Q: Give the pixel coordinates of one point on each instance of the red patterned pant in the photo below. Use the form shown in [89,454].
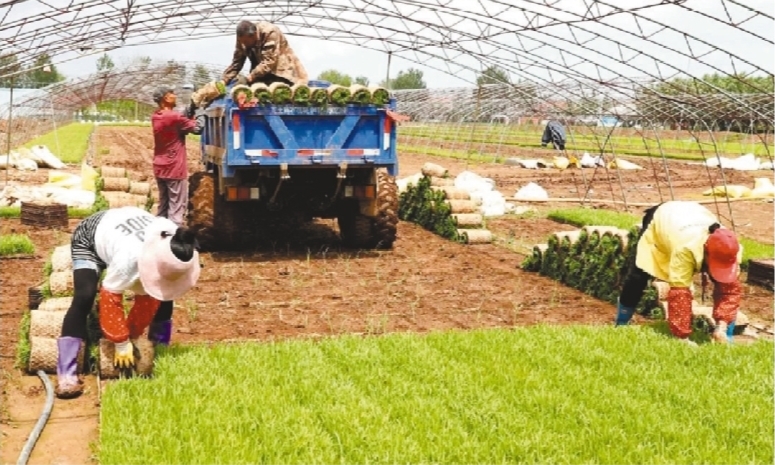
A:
[114,326]
[726,301]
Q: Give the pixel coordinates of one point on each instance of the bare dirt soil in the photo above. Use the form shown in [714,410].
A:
[308,285]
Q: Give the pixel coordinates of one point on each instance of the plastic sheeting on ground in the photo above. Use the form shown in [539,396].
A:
[24,159]
[531,191]
[483,189]
[747,162]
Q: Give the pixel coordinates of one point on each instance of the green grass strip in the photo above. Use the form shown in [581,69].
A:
[72,212]
[23,346]
[73,141]
[571,395]
[581,217]
[16,244]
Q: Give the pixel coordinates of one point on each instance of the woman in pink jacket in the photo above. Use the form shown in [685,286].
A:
[679,239]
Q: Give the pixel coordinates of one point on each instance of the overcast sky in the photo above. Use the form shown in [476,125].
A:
[508,48]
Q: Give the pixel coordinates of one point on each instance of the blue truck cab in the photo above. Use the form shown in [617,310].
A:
[296,161]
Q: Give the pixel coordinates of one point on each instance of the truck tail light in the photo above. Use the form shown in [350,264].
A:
[364,192]
[242,193]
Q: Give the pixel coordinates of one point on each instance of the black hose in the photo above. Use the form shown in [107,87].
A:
[27,450]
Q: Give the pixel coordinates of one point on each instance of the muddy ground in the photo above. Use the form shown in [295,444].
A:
[308,285]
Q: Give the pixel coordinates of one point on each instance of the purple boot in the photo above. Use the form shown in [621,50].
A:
[68,383]
[160,332]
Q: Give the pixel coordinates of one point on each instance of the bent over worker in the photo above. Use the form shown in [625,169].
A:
[679,239]
[139,252]
[271,57]
[554,132]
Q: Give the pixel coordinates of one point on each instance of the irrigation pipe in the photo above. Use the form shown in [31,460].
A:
[633,204]
[27,450]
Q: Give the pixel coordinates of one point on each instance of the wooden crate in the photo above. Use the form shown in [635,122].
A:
[760,273]
[44,215]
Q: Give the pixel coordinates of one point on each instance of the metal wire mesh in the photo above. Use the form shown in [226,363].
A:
[583,62]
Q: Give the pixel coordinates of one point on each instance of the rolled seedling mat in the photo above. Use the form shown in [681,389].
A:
[61,259]
[124,199]
[241,94]
[462,206]
[620,236]
[261,93]
[143,363]
[44,352]
[301,94]
[533,261]
[140,188]
[434,170]
[568,236]
[318,96]
[338,95]
[379,95]
[46,324]
[115,184]
[55,304]
[360,95]
[467,220]
[475,236]
[112,172]
[453,193]
[61,282]
[281,93]
[441,182]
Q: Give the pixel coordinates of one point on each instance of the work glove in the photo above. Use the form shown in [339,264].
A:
[124,356]
[190,110]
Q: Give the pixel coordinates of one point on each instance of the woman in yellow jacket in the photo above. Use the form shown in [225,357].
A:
[679,239]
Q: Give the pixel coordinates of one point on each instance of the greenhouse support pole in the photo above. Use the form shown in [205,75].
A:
[8,135]
[387,77]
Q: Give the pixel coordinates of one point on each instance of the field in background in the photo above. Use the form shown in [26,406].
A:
[69,143]
[487,142]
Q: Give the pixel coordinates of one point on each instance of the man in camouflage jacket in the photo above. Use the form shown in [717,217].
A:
[271,57]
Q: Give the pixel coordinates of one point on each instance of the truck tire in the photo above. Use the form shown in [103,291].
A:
[386,221]
[374,233]
[212,216]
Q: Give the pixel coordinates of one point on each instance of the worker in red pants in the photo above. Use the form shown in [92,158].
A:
[139,252]
[679,239]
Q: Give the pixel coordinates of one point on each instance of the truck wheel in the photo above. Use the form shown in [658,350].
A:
[356,230]
[210,214]
[386,221]
[374,233]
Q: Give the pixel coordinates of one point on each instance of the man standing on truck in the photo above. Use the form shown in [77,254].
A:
[271,60]
[170,168]
[271,57]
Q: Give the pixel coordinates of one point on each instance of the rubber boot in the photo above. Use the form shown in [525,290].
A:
[721,334]
[160,332]
[68,383]
[731,331]
[623,314]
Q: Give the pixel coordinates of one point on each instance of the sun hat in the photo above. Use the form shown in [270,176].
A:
[162,274]
[721,251]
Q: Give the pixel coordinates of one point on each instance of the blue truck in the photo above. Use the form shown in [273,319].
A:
[279,163]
